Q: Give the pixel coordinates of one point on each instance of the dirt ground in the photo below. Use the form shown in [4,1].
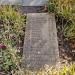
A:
[66,52]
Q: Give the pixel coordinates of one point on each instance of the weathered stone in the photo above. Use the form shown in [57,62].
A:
[24,2]
[32,9]
[40,45]
[34,2]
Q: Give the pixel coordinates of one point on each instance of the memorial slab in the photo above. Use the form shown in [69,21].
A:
[34,2]
[40,45]
[24,2]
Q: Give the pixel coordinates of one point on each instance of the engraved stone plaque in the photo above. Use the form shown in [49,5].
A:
[40,45]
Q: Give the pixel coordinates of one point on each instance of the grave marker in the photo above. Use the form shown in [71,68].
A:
[34,2]
[40,45]
[24,2]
